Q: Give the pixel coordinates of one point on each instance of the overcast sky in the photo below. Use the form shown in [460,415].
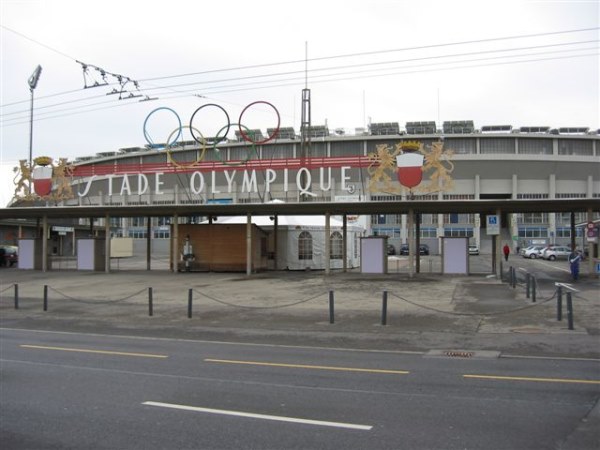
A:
[522,63]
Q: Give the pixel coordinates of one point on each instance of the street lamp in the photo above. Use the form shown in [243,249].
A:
[33,81]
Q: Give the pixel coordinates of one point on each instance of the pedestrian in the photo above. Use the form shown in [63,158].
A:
[506,251]
[574,259]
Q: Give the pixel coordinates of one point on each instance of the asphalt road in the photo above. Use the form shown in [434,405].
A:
[78,390]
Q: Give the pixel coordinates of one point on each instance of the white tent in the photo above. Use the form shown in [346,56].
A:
[301,240]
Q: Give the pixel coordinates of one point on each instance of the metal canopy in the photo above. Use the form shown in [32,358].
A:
[308,208]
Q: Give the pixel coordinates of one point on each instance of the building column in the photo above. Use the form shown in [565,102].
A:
[175,243]
[345,242]
[45,244]
[148,242]
[106,244]
[249,244]
[275,241]
[327,243]
[411,243]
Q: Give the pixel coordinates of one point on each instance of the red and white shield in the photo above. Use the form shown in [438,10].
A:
[42,180]
[410,169]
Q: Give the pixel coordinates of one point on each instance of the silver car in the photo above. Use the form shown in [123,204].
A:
[533,251]
[559,252]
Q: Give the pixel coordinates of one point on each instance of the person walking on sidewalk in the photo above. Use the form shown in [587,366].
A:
[574,259]
[506,251]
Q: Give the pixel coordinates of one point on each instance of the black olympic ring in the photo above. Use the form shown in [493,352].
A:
[218,139]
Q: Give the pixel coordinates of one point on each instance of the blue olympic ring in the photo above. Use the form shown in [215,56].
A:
[149,139]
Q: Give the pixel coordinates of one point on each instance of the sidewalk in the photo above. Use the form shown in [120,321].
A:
[424,312]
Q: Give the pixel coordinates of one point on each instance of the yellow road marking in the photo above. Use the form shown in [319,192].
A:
[103,352]
[544,380]
[304,366]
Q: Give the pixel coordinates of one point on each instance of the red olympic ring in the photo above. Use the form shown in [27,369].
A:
[248,138]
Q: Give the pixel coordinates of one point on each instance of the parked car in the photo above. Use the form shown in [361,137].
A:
[533,251]
[11,255]
[391,250]
[556,252]
[473,249]
[423,249]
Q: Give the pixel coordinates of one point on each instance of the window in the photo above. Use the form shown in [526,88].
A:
[565,218]
[535,146]
[575,147]
[428,233]
[458,232]
[305,246]
[461,146]
[137,234]
[531,196]
[337,245]
[496,146]
[162,234]
[346,148]
[137,222]
[459,218]
[532,218]
[533,232]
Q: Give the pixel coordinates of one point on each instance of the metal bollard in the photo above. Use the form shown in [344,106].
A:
[331,307]
[528,288]
[190,304]
[384,308]
[150,306]
[45,297]
[16,296]
[533,289]
[570,311]
[559,304]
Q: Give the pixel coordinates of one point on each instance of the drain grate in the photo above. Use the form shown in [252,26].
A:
[462,354]
[455,354]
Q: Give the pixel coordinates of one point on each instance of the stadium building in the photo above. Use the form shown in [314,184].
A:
[541,180]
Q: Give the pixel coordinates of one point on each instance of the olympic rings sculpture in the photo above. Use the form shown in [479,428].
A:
[245,133]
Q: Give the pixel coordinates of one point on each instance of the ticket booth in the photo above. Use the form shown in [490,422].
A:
[373,254]
[91,254]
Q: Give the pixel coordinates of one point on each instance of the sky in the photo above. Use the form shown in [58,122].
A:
[519,63]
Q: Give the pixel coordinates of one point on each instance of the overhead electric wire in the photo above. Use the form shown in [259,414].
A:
[267,79]
[271,75]
[377,63]
[299,80]
[375,52]
[369,53]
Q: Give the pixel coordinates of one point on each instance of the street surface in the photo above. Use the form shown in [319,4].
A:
[84,390]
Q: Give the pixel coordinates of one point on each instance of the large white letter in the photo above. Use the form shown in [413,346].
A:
[321,171]
[345,177]
[229,180]
[249,182]
[109,179]
[271,175]
[87,187]
[285,180]
[142,183]
[193,183]
[304,190]
[125,185]
[158,182]
[213,182]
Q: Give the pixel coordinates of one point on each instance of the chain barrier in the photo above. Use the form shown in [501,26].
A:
[7,288]
[97,302]
[233,305]
[496,313]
